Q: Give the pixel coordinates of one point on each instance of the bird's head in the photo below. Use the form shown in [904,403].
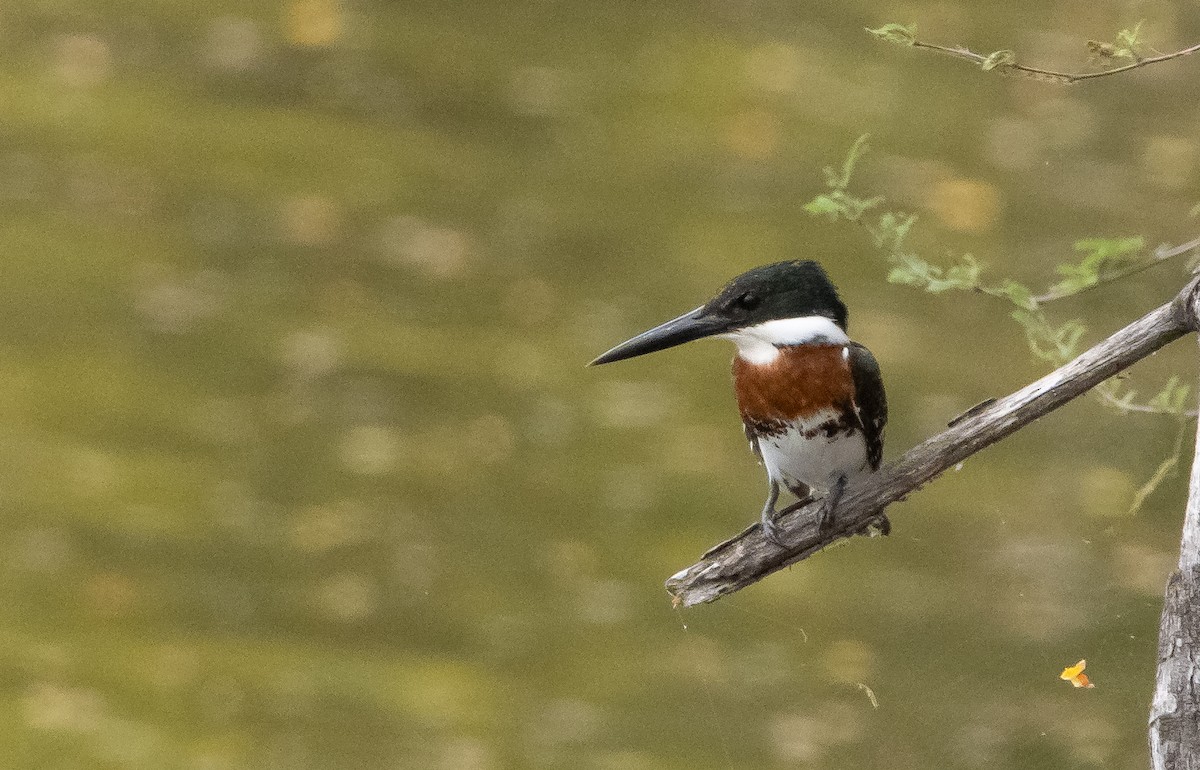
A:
[785,303]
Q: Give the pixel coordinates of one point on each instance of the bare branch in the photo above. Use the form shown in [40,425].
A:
[748,557]
[1050,75]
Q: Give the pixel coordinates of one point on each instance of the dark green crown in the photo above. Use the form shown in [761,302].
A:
[780,290]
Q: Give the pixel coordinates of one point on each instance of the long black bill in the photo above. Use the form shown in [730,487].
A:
[685,328]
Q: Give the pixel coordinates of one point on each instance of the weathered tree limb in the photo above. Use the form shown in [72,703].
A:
[1175,709]
[748,557]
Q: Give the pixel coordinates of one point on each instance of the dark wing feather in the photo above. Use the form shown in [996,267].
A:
[752,437]
[870,402]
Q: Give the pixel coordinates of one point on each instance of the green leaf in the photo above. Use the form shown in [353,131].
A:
[1049,343]
[910,270]
[892,230]
[1036,329]
[1103,257]
[840,205]
[1109,246]
[1165,470]
[1001,58]
[839,179]
[1067,338]
[903,275]
[1128,42]
[823,205]
[856,207]
[1171,398]
[1101,250]
[1125,47]
[1125,403]
[1019,294]
[1129,37]
[1069,287]
[964,275]
[895,33]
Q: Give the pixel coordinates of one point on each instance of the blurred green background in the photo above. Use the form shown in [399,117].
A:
[301,466]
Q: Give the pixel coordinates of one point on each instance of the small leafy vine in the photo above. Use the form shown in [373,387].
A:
[1103,260]
[1124,53]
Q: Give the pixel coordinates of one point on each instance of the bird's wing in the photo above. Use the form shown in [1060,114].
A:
[752,437]
[870,402]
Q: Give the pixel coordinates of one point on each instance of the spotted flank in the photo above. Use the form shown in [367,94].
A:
[810,454]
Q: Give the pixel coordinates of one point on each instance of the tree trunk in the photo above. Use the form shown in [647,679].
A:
[1175,710]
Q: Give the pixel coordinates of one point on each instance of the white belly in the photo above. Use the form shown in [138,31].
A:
[806,455]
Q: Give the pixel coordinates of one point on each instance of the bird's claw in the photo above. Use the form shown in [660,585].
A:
[825,520]
[832,498]
[772,532]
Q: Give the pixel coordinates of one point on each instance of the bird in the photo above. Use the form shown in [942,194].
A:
[812,400]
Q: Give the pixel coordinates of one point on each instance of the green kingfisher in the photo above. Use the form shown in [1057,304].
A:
[811,400]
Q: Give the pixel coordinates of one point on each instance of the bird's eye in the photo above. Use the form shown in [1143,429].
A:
[747,301]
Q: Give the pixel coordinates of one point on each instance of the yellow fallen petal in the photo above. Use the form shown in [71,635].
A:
[1082,681]
[1070,672]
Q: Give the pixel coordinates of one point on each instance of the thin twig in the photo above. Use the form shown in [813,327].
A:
[1125,406]
[749,557]
[1164,252]
[1059,77]
[1160,255]
[1166,469]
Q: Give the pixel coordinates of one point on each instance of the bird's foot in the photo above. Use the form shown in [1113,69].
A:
[771,530]
[832,498]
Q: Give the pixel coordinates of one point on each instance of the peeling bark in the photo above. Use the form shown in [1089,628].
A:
[1175,709]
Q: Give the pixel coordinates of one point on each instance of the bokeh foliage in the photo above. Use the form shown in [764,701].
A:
[302,466]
